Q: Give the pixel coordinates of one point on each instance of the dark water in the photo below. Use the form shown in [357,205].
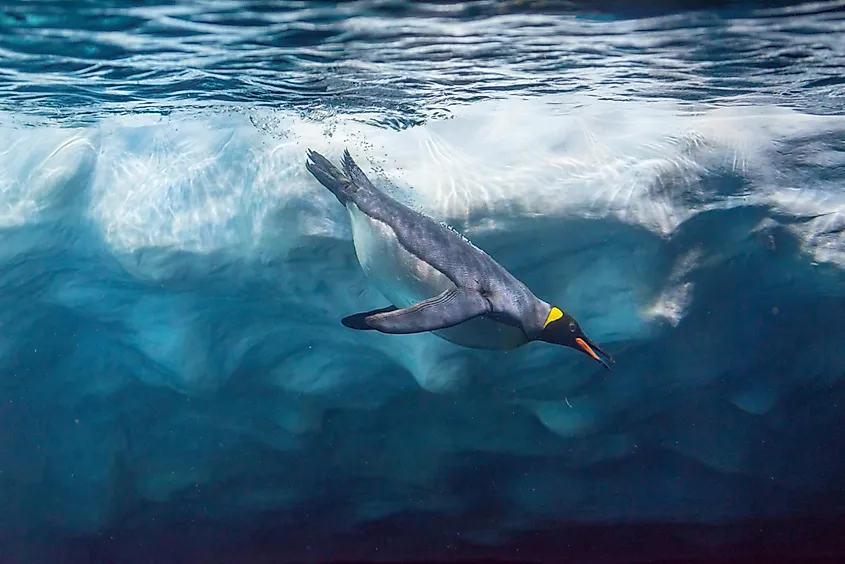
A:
[175,383]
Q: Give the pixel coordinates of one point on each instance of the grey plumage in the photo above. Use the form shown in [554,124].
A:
[434,276]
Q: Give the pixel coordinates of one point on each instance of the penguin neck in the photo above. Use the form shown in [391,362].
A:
[543,311]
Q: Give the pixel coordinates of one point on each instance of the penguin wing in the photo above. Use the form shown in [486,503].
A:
[448,309]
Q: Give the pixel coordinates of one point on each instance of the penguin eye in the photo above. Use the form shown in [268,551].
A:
[572,326]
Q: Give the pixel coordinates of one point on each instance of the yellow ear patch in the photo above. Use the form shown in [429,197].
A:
[554,315]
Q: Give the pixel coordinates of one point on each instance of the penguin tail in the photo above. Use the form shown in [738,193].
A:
[330,176]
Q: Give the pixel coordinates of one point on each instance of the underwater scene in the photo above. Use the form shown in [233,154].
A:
[393,281]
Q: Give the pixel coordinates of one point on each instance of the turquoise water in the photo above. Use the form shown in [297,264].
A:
[175,383]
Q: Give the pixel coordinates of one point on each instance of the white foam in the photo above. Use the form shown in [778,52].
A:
[206,185]
[41,169]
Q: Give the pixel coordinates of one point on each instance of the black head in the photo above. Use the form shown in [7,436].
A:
[561,329]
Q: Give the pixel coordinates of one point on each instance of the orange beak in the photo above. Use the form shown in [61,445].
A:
[589,350]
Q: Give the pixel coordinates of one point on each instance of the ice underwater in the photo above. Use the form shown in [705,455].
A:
[175,376]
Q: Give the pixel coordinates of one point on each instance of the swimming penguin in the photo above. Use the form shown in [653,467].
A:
[436,279]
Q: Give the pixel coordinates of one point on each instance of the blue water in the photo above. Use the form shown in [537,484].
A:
[175,383]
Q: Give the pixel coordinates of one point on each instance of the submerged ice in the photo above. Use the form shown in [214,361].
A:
[172,354]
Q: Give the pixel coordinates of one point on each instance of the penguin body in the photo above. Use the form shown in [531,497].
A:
[436,279]
[404,276]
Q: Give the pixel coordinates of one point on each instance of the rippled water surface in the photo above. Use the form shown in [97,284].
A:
[399,62]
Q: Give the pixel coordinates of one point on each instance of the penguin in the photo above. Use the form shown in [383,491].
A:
[436,279]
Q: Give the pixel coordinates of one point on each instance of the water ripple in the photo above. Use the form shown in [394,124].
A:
[401,62]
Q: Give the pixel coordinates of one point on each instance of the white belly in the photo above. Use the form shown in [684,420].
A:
[405,280]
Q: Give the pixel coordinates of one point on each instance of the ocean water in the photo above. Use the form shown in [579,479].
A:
[175,383]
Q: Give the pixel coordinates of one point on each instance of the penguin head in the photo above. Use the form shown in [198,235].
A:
[561,329]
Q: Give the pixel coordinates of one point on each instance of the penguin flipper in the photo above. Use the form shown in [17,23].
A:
[358,320]
[448,309]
